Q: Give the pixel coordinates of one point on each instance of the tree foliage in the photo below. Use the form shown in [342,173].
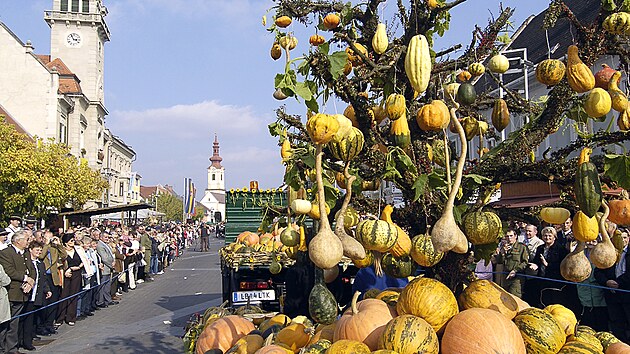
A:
[37,176]
[171,206]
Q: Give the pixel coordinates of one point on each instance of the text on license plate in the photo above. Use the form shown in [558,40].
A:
[243,296]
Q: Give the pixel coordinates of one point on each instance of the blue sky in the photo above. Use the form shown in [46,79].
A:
[179,71]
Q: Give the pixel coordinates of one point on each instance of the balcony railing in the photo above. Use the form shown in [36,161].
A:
[50,15]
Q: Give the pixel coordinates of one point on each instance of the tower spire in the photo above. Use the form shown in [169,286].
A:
[216,159]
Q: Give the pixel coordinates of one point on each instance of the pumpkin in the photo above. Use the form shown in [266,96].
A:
[575,347]
[482,227]
[588,189]
[618,97]
[247,345]
[579,76]
[618,348]
[429,299]
[603,76]
[604,254]
[318,347]
[288,42]
[364,262]
[434,116]
[347,346]
[331,21]
[349,147]
[389,296]
[276,52]
[301,206]
[321,128]
[280,95]
[606,339]
[385,351]
[398,267]
[290,237]
[499,64]
[598,103]
[422,251]
[379,41]
[400,133]
[323,332]
[314,213]
[350,217]
[395,106]
[223,333]
[408,334]
[565,317]
[316,40]
[486,294]
[480,330]
[585,334]
[418,63]
[584,229]
[623,121]
[294,336]
[617,23]
[279,319]
[540,331]
[522,305]
[273,349]
[464,76]
[376,235]
[250,239]
[283,21]
[476,69]
[403,244]
[345,128]
[550,71]
[554,216]
[466,94]
[500,114]
[619,211]
[364,321]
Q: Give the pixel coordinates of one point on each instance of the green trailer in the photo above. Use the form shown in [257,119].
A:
[245,208]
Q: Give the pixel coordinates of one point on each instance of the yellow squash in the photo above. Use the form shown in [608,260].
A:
[322,128]
[418,63]
[618,97]
[598,103]
[434,116]
[580,77]
[379,41]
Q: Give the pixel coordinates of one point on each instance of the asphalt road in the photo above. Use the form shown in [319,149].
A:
[151,318]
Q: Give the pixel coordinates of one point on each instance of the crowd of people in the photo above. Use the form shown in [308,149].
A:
[50,278]
[527,264]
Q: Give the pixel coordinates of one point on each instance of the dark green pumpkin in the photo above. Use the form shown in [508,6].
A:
[466,94]
[322,305]
[318,347]
[398,267]
[588,189]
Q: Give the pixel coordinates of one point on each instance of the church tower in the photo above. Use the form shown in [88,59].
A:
[214,196]
[78,36]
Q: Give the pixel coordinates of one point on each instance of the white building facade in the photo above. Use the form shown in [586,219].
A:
[214,195]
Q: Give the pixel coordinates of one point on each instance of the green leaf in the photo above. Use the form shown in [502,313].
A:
[419,186]
[275,129]
[625,7]
[346,13]
[302,90]
[309,160]
[312,105]
[617,167]
[303,68]
[477,179]
[437,180]
[338,61]
[324,48]
[459,211]
[485,252]
[391,173]
[292,177]
[609,5]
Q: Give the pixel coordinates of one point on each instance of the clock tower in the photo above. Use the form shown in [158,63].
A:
[78,35]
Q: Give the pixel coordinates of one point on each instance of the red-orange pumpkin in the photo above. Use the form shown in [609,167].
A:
[223,333]
[478,330]
[619,211]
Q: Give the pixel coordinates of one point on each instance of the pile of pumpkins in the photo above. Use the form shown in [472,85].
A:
[423,317]
[287,239]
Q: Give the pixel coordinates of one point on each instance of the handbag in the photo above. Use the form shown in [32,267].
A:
[123,277]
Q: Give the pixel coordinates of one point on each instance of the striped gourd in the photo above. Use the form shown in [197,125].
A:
[318,347]
[429,299]
[349,147]
[395,106]
[482,227]
[418,63]
[400,133]
[500,114]
[398,267]
[347,346]
[422,251]
[377,235]
[409,334]
[576,347]
[476,69]
[550,71]
[588,188]
[617,23]
[606,338]
[585,334]
[403,244]
[541,332]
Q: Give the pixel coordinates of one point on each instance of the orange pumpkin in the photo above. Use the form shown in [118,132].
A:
[293,336]
[619,211]
[323,332]
[428,299]
[488,295]
[242,236]
[479,330]
[364,321]
[223,333]
[272,349]
[251,239]
[618,348]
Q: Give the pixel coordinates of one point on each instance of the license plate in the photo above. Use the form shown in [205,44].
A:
[258,295]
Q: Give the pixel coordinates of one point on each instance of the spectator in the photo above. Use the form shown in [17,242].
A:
[155,254]
[565,236]
[145,246]
[531,240]
[19,268]
[14,226]
[72,282]
[204,237]
[514,256]
[89,273]
[5,306]
[53,256]
[546,264]
[103,295]
[40,291]
[594,313]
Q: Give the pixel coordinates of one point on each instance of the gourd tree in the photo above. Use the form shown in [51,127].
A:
[403,97]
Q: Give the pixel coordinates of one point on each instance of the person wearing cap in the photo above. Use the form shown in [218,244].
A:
[3,239]
[18,266]
[30,223]
[14,226]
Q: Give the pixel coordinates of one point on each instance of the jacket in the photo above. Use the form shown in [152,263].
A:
[555,255]
[42,285]
[17,266]
[5,306]
[515,259]
[603,275]
[107,257]
[57,255]
[145,243]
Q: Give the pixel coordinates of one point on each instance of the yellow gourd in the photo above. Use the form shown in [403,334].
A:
[499,64]
[395,106]
[584,229]
[321,128]
[418,63]
[623,122]
[618,97]
[379,41]
[598,103]
[579,76]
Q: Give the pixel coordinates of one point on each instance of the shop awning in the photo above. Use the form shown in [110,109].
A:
[107,210]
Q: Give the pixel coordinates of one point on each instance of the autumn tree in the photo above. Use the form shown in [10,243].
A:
[348,62]
[38,176]
[170,205]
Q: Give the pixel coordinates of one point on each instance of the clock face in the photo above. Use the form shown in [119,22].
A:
[73,39]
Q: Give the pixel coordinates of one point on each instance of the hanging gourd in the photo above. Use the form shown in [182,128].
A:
[482,227]
[283,21]
[464,76]
[466,94]
[331,21]
[550,71]
[500,114]
[623,121]
[433,116]
[554,216]
[499,64]
[349,147]
[395,106]
[376,235]
[418,63]
[450,91]
[316,40]
[604,254]
[588,189]
[288,42]
[618,97]
[603,76]
[575,266]
[476,69]
[321,128]
[617,23]
[598,103]
[471,127]
[354,58]
[322,305]
[584,228]
[403,243]
[579,76]
[379,41]
[422,251]
[276,51]
[399,132]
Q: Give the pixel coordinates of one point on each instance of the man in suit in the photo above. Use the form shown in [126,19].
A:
[20,269]
[41,291]
[618,303]
[103,295]
[52,256]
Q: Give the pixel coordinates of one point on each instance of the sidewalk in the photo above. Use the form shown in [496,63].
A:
[150,319]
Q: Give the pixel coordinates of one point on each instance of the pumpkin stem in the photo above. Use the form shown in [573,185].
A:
[378,269]
[602,223]
[386,214]
[346,200]
[460,162]
[447,161]
[353,304]
[323,218]
[585,155]
[624,194]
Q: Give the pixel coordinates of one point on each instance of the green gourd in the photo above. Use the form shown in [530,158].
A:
[398,267]
[322,305]
[588,188]
[466,94]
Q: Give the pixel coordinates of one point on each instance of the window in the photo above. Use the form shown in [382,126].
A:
[64,5]
[75,5]
[121,189]
[213,177]
[86,6]
[63,133]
